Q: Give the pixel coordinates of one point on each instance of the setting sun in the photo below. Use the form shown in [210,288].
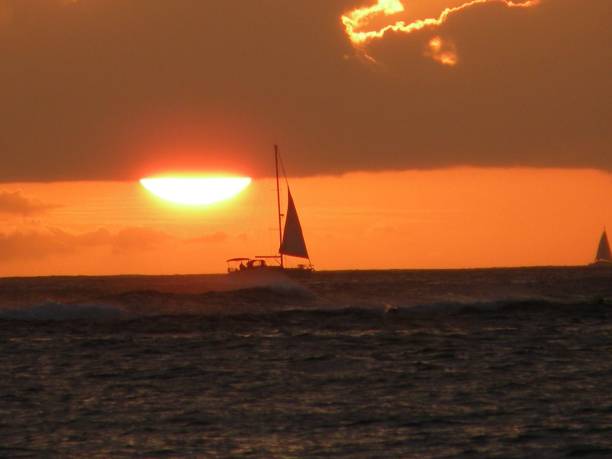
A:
[195,191]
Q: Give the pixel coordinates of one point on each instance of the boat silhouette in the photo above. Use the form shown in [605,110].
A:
[603,258]
[291,238]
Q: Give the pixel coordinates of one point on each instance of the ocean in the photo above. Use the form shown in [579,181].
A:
[507,363]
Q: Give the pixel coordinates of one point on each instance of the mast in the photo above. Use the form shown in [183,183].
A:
[280,229]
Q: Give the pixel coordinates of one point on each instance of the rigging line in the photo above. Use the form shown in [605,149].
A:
[282,165]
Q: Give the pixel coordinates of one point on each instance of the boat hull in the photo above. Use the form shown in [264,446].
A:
[270,271]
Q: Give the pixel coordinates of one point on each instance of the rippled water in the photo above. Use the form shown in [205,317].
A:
[498,363]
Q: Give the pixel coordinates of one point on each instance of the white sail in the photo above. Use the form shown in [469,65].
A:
[603,251]
[293,239]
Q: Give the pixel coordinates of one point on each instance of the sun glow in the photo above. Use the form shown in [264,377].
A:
[195,191]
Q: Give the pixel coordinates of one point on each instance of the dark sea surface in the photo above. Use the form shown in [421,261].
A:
[508,363]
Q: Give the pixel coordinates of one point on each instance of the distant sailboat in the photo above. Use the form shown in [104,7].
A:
[603,256]
[291,239]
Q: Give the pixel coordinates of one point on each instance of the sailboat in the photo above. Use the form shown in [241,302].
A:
[603,256]
[291,239]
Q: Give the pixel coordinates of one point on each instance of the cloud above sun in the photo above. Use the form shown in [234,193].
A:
[356,23]
[121,89]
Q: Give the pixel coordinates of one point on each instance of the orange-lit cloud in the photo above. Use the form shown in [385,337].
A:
[43,243]
[219,236]
[443,52]
[138,239]
[16,203]
[29,243]
[361,17]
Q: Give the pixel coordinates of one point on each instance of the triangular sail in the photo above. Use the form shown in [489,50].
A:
[293,239]
[603,252]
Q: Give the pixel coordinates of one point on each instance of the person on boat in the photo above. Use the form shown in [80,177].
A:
[242,267]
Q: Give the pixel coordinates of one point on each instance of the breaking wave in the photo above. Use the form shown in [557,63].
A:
[267,302]
[386,293]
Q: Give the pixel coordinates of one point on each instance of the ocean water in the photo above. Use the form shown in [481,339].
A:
[508,363]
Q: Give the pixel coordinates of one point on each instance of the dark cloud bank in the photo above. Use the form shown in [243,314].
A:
[114,89]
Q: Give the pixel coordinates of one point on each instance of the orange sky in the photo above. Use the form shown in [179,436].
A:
[464,217]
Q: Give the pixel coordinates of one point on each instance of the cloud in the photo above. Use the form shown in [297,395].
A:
[219,236]
[33,245]
[119,89]
[55,241]
[355,20]
[16,203]
[442,51]
[138,239]
[37,244]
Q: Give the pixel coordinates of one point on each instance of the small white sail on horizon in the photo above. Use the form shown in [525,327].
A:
[603,251]
[293,242]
